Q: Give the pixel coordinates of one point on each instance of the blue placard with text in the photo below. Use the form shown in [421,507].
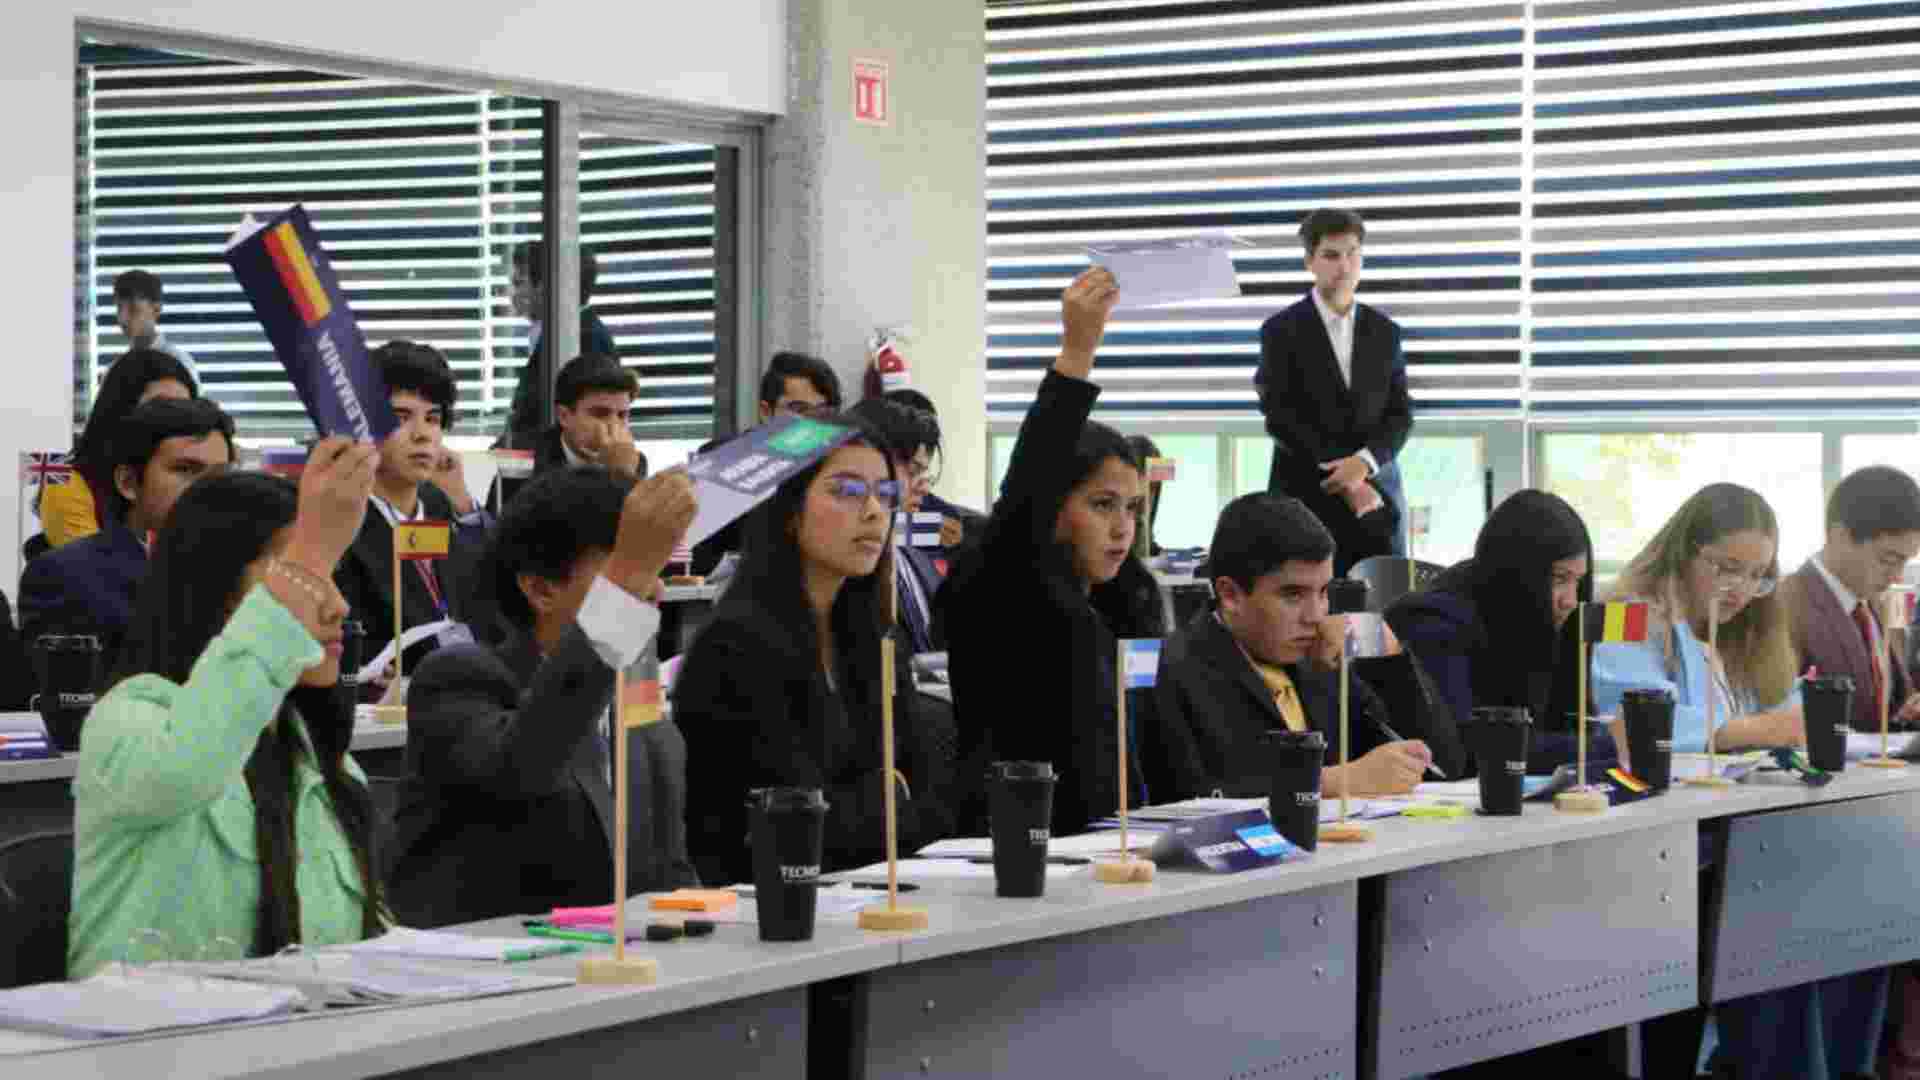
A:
[1225,843]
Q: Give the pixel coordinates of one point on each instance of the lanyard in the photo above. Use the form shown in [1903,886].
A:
[424,567]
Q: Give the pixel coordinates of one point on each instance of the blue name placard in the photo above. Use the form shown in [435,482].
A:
[1225,843]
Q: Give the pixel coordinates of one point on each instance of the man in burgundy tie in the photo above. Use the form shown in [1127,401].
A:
[1873,531]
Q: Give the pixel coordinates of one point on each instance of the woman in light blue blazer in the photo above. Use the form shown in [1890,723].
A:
[1723,540]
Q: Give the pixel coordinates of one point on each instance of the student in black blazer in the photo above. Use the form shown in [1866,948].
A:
[415,481]
[591,402]
[508,805]
[1224,675]
[917,570]
[1333,386]
[525,417]
[89,586]
[782,687]
[1033,613]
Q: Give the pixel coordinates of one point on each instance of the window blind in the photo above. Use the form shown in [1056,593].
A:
[646,212]
[1114,121]
[421,196]
[1726,207]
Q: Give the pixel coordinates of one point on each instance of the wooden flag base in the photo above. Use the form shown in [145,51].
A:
[619,971]
[389,714]
[1884,763]
[1345,832]
[893,919]
[1708,781]
[1125,870]
[1582,801]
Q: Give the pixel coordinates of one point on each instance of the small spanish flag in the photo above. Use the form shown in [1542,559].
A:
[1610,623]
[641,705]
[296,273]
[422,539]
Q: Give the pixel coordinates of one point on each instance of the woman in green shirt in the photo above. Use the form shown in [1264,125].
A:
[215,798]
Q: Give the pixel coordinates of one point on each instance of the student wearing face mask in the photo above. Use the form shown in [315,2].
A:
[1267,658]
[1493,630]
[782,686]
[1034,612]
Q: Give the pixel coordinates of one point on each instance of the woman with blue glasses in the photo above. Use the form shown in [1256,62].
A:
[782,686]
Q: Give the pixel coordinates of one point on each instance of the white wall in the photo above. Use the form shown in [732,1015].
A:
[883,226]
[722,53]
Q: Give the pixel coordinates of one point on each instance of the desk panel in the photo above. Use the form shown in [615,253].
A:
[1491,956]
[1259,988]
[758,1038]
[1815,892]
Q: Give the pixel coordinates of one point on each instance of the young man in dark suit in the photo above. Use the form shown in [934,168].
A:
[1835,600]
[1267,658]
[1333,387]
[591,400]
[918,571]
[529,298]
[89,586]
[508,805]
[416,480]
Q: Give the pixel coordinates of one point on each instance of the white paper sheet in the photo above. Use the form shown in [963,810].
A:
[1156,272]
[1862,745]
[410,637]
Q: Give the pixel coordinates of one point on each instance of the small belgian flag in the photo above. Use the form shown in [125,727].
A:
[1611,623]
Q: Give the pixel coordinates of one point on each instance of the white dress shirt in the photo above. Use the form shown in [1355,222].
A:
[1340,333]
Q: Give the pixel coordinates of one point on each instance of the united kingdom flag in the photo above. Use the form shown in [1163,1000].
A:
[45,468]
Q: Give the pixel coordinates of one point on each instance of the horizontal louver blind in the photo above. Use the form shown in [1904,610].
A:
[1113,121]
[646,213]
[1725,208]
[391,174]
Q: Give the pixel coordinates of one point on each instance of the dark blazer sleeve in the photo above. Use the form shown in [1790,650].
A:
[1175,767]
[1434,644]
[1413,707]
[49,603]
[1389,436]
[473,730]
[1039,470]
[666,757]
[924,813]
[1280,384]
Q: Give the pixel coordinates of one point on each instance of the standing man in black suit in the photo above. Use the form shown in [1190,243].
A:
[529,296]
[1333,386]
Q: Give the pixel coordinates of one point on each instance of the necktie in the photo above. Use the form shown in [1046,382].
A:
[1285,697]
[1864,621]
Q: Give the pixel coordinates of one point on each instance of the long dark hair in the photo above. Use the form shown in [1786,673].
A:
[220,525]
[119,395]
[1518,651]
[771,580]
[547,526]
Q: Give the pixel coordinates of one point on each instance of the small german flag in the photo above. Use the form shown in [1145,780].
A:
[641,704]
[1610,623]
[422,539]
[296,273]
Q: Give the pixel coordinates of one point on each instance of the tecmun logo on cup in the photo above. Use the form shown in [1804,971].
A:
[1039,836]
[799,873]
[1516,768]
[1306,798]
[71,701]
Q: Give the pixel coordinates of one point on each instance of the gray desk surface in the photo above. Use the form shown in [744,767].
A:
[379,737]
[965,917]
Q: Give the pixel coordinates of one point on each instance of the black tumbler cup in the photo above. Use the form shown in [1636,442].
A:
[1499,738]
[1648,716]
[1020,796]
[1827,705]
[1294,759]
[68,669]
[788,829]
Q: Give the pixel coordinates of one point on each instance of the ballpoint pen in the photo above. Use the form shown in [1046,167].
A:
[1395,736]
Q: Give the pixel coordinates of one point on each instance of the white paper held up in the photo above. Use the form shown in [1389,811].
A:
[1156,272]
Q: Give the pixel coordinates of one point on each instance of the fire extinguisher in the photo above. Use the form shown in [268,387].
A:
[887,362]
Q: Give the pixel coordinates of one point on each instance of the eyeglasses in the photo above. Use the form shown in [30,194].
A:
[854,491]
[806,408]
[1732,577]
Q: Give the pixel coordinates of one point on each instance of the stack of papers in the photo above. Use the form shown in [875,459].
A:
[440,945]
[345,976]
[110,1005]
[1862,745]
[917,870]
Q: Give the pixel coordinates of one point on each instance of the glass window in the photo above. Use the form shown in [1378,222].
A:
[1626,484]
[1898,449]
